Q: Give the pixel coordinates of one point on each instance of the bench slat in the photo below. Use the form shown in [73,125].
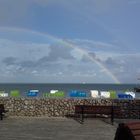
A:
[137,137]
[134,126]
[136,132]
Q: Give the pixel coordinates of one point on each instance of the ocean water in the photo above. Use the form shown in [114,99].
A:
[43,88]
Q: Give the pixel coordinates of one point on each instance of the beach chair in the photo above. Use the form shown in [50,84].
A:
[105,94]
[95,94]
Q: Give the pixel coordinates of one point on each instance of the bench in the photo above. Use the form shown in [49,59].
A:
[128,131]
[94,110]
[2,111]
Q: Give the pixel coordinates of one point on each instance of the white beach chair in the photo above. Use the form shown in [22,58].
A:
[105,94]
[3,94]
[94,93]
[130,93]
[53,91]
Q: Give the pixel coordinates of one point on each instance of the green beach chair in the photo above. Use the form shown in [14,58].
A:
[113,94]
[59,94]
[14,93]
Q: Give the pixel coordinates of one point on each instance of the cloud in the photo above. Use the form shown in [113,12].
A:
[27,61]
[90,57]
[9,60]
[121,65]
[36,61]
[97,50]
[60,52]
[125,67]
[110,61]
[28,64]
[96,46]
[34,56]
[23,50]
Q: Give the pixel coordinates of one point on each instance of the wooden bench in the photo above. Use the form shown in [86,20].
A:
[2,111]
[128,131]
[94,110]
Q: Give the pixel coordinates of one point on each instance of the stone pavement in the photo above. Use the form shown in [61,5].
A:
[43,128]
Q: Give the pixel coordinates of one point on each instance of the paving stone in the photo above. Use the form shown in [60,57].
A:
[44,128]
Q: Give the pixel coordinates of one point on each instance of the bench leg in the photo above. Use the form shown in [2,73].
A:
[112,119]
[82,115]
[1,117]
[82,118]
[112,115]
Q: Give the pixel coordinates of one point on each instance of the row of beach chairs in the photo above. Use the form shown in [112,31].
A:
[74,93]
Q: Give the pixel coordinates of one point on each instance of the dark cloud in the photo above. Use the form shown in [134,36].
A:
[9,60]
[44,60]
[113,62]
[87,59]
[56,53]
[59,52]
[37,64]
[110,61]
[92,54]
[28,64]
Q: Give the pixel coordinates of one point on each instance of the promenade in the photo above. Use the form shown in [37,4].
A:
[43,128]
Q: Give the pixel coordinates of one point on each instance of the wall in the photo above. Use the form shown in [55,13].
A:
[62,107]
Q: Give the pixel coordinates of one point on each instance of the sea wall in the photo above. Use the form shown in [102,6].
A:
[63,107]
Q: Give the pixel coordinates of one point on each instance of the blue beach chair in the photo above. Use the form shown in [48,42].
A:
[33,93]
[124,96]
[75,93]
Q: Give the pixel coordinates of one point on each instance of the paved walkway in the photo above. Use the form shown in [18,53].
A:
[55,129]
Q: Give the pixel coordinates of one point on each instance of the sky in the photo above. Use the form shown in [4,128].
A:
[69,41]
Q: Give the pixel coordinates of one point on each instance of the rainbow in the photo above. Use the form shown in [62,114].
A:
[67,44]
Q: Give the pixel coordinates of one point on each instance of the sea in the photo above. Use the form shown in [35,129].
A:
[67,88]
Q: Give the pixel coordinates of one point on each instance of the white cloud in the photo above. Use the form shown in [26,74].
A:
[23,51]
[20,60]
[24,59]
[36,60]
[96,46]
[77,54]
[125,67]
